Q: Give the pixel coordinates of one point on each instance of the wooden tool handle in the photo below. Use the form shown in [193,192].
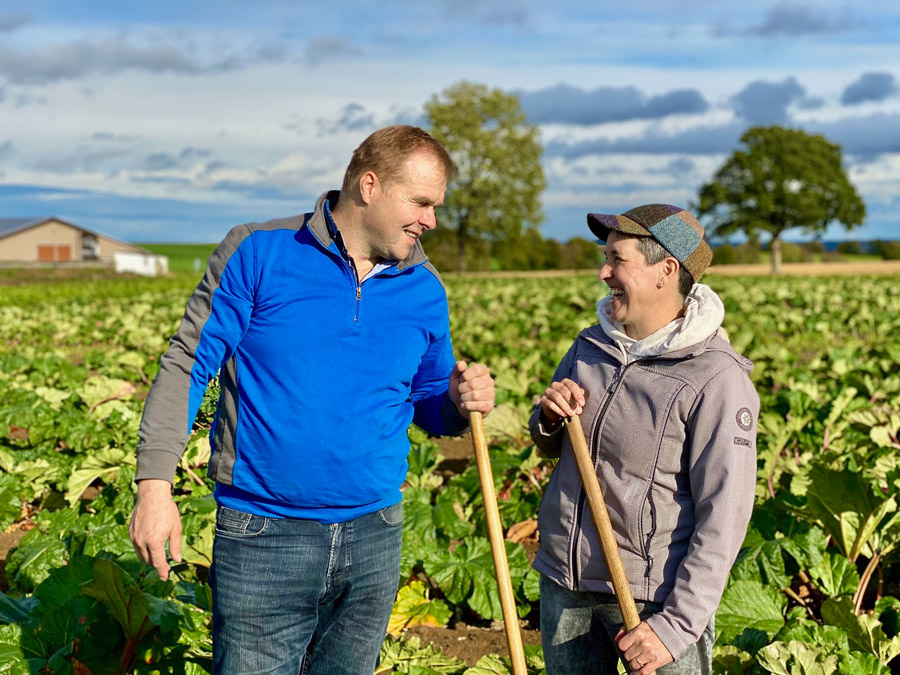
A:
[498,547]
[601,520]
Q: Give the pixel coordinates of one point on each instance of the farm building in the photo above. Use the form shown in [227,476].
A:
[54,240]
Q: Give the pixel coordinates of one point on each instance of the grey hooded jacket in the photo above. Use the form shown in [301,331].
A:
[673,439]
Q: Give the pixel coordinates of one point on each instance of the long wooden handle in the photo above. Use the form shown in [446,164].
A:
[601,520]
[498,547]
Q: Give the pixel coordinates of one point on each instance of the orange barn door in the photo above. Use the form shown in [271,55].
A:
[46,253]
[63,253]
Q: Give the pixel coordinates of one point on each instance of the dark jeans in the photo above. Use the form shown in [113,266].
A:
[295,595]
[577,631]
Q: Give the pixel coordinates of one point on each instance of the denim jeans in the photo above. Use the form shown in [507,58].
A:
[577,631]
[297,596]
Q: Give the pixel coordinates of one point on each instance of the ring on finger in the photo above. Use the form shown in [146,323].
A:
[640,663]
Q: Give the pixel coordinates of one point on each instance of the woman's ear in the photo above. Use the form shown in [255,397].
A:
[668,272]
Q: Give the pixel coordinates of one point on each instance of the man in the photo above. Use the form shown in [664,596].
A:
[670,416]
[332,334]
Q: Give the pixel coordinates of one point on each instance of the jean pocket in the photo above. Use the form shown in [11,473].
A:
[392,516]
[233,523]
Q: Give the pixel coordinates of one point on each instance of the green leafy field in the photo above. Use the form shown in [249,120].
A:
[815,590]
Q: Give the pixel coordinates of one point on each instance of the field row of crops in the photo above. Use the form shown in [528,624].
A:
[815,590]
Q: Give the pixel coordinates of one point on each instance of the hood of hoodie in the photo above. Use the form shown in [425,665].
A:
[703,315]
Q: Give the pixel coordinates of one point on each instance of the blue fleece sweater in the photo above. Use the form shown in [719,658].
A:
[320,376]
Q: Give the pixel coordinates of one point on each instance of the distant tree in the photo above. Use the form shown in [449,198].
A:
[496,191]
[527,250]
[849,247]
[441,246]
[580,253]
[783,179]
[747,253]
[794,253]
[724,254]
[889,250]
[815,246]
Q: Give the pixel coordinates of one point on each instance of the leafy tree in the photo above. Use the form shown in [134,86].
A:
[849,247]
[496,190]
[784,178]
[580,253]
[527,250]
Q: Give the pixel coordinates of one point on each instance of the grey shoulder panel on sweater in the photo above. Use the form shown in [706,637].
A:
[431,268]
[164,426]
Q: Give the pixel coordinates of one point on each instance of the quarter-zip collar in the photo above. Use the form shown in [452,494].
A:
[320,227]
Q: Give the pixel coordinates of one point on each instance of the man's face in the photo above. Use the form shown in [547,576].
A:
[632,286]
[401,210]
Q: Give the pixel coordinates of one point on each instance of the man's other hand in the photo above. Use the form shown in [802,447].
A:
[154,522]
[471,388]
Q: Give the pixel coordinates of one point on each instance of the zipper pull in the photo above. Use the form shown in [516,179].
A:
[359,292]
[615,383]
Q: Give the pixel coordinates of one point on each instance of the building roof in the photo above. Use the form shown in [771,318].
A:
[10,226]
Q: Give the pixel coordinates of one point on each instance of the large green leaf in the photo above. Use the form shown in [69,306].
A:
[413,607]
[846,504]
[835,575]
[489,665]
[796,658]
[127,603]
[729,660]
[748,604]
[808,630]
[402,655]
[93,539]
[17,610]
[424,454]
[30,563]
[777,546]
[101,464]
[10,500]
[467,574]
[452,513]
[857,663]
[198,524]
[864,632]
[73,624]
[12,658]
[418,515]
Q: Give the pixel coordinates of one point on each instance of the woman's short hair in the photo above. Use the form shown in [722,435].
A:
[654,252]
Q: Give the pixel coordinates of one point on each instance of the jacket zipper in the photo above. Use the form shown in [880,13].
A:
[582,495]
[358,284]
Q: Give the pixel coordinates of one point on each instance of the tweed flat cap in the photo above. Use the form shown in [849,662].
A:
[677,231]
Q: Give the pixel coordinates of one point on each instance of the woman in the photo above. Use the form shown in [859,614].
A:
[670,415]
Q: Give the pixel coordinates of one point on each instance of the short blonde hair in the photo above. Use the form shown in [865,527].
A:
[385,151]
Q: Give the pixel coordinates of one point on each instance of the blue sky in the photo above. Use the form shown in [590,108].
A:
[173,121]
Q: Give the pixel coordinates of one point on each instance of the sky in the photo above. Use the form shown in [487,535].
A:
[174,121]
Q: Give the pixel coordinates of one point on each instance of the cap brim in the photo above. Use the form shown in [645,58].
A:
[602,223]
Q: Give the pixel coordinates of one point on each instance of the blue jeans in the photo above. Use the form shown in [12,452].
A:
[577,631]
[292,596]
